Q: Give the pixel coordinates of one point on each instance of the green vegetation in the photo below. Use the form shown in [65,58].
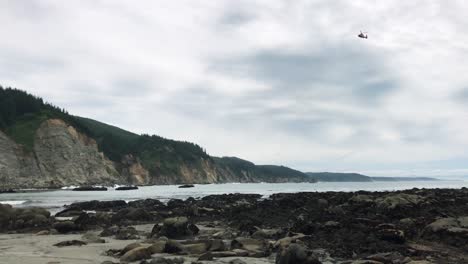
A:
[21,114]
[266,173]
[339,177]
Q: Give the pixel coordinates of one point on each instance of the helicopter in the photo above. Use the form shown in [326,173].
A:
[363,35]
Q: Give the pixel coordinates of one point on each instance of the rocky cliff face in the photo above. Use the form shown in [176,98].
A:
[62,156]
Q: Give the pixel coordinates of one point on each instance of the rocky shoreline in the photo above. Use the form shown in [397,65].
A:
[417,226]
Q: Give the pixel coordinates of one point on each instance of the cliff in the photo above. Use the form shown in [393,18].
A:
[42,146]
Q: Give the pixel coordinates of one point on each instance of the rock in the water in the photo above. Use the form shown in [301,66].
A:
[126,188]
[295,254]
[90,188]
[135,254]
[70,243]
[187,186]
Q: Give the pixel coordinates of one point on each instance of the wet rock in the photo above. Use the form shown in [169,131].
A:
[109,231]
[295,254]
[126,188]
[127,233]
[92,238]
[208,256]
[366,262]
[132,214]
[392,235]
[129,247]
[135,254]
[248,244]
[393,201]
[161,260]
[97,205]
[198,248]
[65,227]
[187,186]
[237,261]
[43,233]
[387,258]
[90,188]
[86,221]
[150,204]
[453,231]
[70,243]
[157,247]
[173,246]
[176,227]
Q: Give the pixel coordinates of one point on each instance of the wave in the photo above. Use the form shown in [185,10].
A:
[14,202]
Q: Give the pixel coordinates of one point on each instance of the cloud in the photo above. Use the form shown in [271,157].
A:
[274,82]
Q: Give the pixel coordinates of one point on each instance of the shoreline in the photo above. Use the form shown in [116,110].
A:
[429,225]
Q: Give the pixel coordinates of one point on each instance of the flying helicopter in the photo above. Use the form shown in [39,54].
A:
[363,35]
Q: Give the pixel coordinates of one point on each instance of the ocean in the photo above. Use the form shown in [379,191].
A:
[55,200]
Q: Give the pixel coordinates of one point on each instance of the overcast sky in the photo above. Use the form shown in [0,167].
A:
[274,82]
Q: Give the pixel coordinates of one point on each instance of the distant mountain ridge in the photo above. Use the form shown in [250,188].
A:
[42,146]
[356,177]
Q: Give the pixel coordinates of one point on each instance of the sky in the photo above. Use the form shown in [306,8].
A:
[273,82]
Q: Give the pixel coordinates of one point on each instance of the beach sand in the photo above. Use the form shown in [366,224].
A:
[40,249]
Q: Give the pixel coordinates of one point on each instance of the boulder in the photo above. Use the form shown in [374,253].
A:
[396,200]
[197,248]
[109,231]
[127,233]
[135,254]
[295,254]
[129,247]
[176,227]
[161,260]
[65,227]
[173,246]
[157,247]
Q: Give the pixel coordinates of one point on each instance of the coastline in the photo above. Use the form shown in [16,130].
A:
[425,225]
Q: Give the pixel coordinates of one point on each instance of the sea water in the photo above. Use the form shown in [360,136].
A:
[55,200]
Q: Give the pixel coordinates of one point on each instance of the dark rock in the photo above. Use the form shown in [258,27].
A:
[90,188]
[109,231]
[187,186]
[207,256]
[150,204]
[127,233]
[173,246]
[97,205]
[70,243]
[295,254]
[237,261]
[176,227]
[161,260]
[65,227]
[126,188]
